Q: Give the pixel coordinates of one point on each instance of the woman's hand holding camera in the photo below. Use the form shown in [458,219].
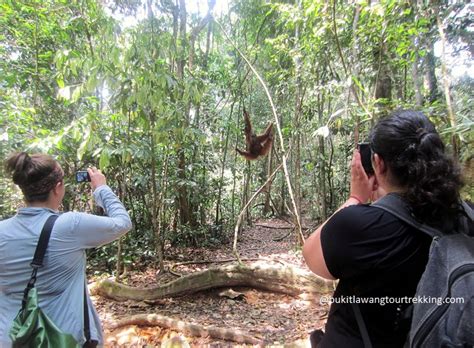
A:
[97,178]
[362,186]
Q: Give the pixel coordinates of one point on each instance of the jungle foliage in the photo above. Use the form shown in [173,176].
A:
[157,105]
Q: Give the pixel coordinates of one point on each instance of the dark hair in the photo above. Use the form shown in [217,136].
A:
[36,174]
[415,155]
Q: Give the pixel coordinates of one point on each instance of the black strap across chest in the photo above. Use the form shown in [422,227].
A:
[37,262]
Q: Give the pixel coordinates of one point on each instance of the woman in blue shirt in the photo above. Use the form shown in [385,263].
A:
[61,280]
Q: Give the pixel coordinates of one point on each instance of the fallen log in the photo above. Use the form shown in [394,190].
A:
[281,279]
[186,328]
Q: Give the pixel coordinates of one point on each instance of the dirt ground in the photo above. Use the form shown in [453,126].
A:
[275,319]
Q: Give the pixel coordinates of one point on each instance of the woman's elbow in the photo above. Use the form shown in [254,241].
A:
[306,252]
[315,261]
[309,250]
[124,224]
[128,225]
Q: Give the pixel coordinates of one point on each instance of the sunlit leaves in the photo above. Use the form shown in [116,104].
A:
[104,160]
[322,132]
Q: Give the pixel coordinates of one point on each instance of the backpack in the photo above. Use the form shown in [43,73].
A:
[443,315]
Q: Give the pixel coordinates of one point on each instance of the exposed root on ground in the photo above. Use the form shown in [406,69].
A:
[186,328]
[282,279]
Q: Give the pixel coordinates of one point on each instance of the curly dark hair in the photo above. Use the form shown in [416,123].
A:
[417,161]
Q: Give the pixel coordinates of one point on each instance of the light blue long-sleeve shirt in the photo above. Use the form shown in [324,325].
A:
[60,282]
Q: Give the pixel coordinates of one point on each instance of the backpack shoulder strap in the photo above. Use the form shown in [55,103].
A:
[395,205]
[362,328]
[468,211]
[43,242]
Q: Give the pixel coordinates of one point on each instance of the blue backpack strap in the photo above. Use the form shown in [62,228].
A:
[395,205]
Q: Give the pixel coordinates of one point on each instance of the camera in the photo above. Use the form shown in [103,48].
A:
[82,176]
[366,157]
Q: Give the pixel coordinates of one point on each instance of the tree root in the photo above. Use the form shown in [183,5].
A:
[172,271]
[260,275]
[186,328]
[283,236]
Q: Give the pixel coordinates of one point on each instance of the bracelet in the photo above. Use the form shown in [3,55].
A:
[357,199]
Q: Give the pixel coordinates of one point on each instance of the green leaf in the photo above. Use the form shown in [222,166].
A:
[357,82]
[84,145]
[76,94]
[104,160]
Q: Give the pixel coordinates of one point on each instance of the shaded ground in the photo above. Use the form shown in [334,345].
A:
[274,318]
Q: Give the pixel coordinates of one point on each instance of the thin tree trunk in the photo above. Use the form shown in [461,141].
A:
[155,200]
[322,162]
[234,177]
[383,82]
[267,205]
[161,212]
[223,164]
[246,193]
[446,84]
[298,107]
[182,36]
[430,73]
[186,217]
[416,76]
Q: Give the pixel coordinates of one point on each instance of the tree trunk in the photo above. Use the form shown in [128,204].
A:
[155,200]
[223,164]
[416,76]
[267,206]
[447,92]
[161,215]
[182,36]
[297,117]
[383,85]
[322,161]
[246,193]
[430,73]
[185,214]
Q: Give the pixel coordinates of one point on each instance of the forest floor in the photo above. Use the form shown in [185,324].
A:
[276,319]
